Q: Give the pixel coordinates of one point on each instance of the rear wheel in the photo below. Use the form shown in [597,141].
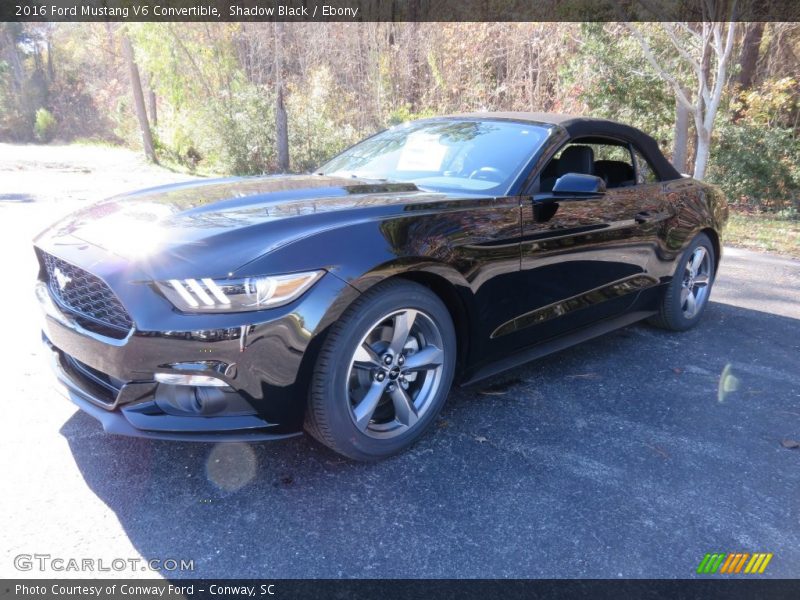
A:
[383,373]
[686,297]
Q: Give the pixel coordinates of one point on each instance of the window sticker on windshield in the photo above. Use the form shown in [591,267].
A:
[422,152]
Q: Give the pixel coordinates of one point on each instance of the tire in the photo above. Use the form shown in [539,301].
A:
[686,297]
[374,390]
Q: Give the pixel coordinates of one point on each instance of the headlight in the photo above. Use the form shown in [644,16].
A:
[236,295]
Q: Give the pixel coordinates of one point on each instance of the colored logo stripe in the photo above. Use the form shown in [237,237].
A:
[758,563]
[734,562]
[710,563]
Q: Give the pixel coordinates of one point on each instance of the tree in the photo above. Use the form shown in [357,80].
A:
[706,49]
[748,58]
[153,102]
[281,120]
[680,143]
[138,100]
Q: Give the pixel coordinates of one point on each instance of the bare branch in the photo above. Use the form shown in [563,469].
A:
[676,42]
[648,52]
[688,30]
[731,37]
[717,40]
[190,57]
[720,79]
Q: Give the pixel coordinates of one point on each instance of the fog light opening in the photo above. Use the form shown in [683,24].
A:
[201,401]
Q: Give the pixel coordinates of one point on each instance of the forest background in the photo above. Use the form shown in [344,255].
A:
[722,99]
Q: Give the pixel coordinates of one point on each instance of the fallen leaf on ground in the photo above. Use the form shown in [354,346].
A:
[660,451]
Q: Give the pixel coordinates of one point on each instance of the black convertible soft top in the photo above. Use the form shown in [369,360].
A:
[585,127]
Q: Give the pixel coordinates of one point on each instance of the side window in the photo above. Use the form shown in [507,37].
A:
[608,159]
[614,164]
[644,172]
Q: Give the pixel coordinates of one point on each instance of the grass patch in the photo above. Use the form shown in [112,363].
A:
[96,142]
[166,159]
[767,232]
[169,161]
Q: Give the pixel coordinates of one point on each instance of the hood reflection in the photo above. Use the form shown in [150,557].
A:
[139,224]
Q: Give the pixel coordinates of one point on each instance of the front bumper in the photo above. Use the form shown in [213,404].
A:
[134,420]
[264,365]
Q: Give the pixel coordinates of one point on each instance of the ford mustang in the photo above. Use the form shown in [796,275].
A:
[348,301]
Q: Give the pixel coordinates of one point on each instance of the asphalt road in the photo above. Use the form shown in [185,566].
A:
[628,456]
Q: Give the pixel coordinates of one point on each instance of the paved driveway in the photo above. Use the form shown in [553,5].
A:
[628,456]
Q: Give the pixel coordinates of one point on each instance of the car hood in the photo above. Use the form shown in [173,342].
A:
[225,223]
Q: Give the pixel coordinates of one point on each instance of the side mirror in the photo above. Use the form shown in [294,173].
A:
[577,184]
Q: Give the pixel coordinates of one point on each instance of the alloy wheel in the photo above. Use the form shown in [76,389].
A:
[395,373]
[696,281]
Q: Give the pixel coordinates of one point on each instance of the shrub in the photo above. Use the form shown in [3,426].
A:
[44,126]
[244,131]
[317,131]
[757,165]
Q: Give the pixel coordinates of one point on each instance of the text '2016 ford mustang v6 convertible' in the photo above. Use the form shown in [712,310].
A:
[348,301]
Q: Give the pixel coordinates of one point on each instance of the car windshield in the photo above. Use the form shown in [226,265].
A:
[453,155]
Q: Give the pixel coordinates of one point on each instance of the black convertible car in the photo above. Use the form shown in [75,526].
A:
[346,302]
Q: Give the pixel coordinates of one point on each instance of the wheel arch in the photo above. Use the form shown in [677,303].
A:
[715,242]
[446,283]
[455,304]
[443,280]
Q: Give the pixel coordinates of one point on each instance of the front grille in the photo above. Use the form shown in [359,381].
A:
[92,301]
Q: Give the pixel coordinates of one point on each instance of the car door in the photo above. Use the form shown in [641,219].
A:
[584,257]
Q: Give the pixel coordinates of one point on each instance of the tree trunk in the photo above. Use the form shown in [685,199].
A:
[414,84]
[680,148]
[51,73]
[9,31]
[701,155]
[748,59]
[138,100]
[282,132]
[281,120]
[151,100]
[702,143]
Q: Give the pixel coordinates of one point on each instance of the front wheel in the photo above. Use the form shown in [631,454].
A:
[686,296]
[383,373]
